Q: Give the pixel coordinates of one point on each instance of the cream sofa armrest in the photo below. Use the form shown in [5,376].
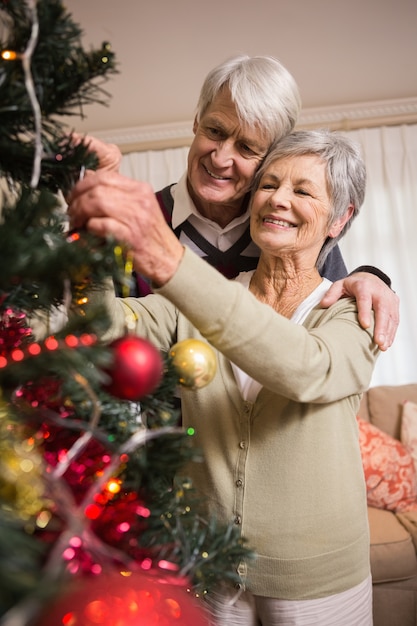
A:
[409,520]
[392,551]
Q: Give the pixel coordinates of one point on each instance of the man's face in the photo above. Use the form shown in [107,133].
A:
[223,159]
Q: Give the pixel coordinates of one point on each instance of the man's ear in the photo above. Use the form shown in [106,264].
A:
[195,125]
[338,225]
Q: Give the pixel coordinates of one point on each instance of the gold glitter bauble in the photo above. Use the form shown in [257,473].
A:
[21,483]
[195,362]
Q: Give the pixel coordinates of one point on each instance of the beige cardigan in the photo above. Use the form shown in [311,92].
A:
[286,468]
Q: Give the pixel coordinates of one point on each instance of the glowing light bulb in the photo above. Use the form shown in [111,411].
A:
[8,55]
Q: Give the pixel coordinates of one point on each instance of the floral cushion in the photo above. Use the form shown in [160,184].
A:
[389,470]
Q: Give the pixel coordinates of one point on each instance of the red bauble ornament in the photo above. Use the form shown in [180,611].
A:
[131,599]
[136,369]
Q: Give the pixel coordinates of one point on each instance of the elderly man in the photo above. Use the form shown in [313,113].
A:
[246,104]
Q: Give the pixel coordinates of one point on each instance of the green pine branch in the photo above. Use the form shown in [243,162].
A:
[66,78]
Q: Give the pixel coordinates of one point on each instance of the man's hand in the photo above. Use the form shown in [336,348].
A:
[109,204]
[108,154]
[371,293]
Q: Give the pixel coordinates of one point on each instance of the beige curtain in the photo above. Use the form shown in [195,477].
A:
[158,167]
[384,234]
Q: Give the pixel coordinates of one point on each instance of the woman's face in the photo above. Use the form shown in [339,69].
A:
[291,208]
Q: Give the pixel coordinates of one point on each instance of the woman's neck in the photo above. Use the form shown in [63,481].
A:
[283,286]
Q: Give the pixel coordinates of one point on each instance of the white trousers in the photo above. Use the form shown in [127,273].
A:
[349,608]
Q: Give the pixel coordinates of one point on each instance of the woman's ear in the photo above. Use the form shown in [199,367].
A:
[195,125]
[337,226]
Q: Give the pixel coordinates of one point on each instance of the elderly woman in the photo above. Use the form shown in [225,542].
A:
[277,424]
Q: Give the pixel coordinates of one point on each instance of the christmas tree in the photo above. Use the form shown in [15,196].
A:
[94,527]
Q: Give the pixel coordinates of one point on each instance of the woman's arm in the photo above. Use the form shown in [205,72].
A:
[334,358]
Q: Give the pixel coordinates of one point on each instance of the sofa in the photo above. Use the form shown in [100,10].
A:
[393,533]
